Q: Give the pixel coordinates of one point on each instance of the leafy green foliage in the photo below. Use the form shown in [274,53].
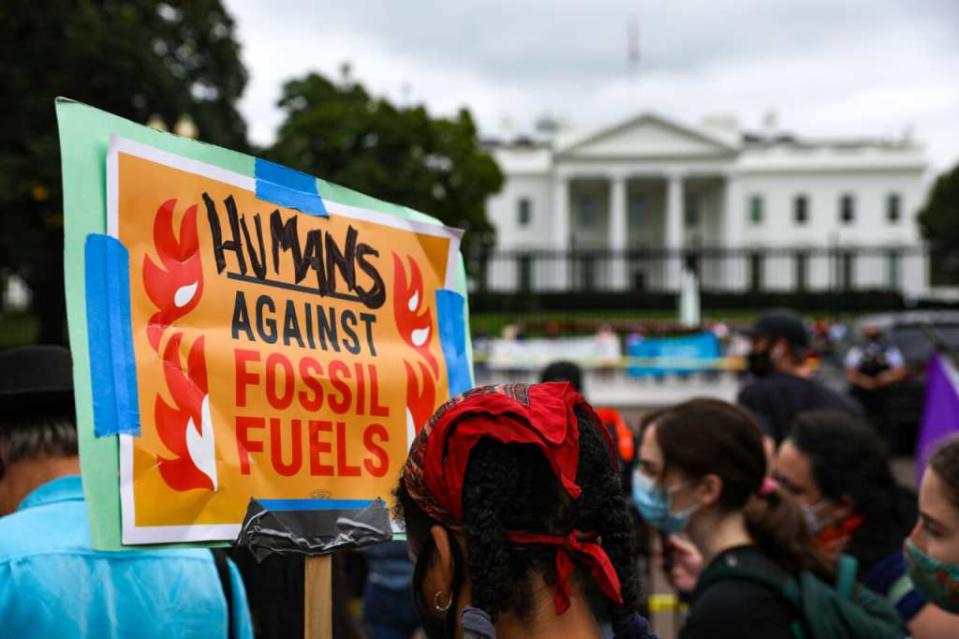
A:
[135,58]
[341,133]
[939,223]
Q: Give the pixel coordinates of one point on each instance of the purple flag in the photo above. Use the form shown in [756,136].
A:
[940,417]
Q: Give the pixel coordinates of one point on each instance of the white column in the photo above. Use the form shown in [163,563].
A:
[559,265]
[734,266]
[674,230]
[560,212]
[618,231]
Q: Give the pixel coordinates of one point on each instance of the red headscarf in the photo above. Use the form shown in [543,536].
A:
[540,414]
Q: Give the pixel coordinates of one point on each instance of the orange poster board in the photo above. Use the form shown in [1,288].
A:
[278,355]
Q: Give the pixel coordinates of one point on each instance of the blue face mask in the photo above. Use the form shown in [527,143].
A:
[653,505]
[936,581]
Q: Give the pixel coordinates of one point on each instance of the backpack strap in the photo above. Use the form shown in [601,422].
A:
[223,572]
[847,568]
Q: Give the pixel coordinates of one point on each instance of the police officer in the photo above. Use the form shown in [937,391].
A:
[872,368]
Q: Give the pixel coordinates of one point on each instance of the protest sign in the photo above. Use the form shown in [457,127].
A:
[242,331]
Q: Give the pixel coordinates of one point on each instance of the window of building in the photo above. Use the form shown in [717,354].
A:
[637,203]
[691,210]
[801,209]
[756,209]
[524,211]
[524,272]
[587,211]
[847,270]
[893,208]
[755,271]
[847,209]
[802,271]
[893,260]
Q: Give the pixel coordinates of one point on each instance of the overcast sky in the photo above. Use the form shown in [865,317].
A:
[827,67]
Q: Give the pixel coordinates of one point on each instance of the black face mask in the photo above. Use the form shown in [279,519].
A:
[759,363]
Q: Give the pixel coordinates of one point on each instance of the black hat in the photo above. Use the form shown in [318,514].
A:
[563,371]
[781,323]
[36,381]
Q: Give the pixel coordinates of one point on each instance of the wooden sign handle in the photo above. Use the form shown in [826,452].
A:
[318,594]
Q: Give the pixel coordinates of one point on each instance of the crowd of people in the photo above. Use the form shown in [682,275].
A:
[527,512]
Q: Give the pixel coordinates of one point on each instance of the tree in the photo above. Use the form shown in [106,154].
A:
[140,59]
[338,131]
[939,223]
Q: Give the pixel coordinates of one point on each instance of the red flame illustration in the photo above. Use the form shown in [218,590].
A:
[420,401]
[176,287]
[189,389]
[416,326]
[414,318]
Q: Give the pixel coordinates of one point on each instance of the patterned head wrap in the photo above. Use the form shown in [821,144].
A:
[543,415]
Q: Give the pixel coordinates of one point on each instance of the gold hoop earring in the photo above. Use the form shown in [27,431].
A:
[436,602]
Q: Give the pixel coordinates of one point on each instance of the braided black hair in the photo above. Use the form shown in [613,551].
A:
[511,487]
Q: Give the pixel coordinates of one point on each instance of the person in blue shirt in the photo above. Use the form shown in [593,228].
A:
[53,583]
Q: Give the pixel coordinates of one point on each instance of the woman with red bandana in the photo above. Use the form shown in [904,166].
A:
[516,519]
[932,550]
[837,469]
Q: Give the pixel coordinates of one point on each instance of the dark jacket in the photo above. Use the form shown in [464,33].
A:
[776,400]
[737,608]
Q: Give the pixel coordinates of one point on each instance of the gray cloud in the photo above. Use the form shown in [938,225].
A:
[857,67]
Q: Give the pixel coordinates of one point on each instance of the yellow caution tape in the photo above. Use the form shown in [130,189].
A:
[666,602]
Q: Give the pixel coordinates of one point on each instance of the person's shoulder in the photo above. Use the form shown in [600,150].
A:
[57,527]
[775,386]
[889,578]
[731,597]
[883,574]
[785,381]
[828,398]
[755,391]
[728,584]
[741,602]
[853,356]
[61,528]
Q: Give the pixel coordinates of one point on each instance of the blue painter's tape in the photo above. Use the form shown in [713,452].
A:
[98,337]
[116,405]
[121,336]
[286,187]
[450,309]
[315,504]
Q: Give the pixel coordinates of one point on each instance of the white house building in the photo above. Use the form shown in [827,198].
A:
[627,206]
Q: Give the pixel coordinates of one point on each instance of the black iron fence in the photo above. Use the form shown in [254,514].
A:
[904,270]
